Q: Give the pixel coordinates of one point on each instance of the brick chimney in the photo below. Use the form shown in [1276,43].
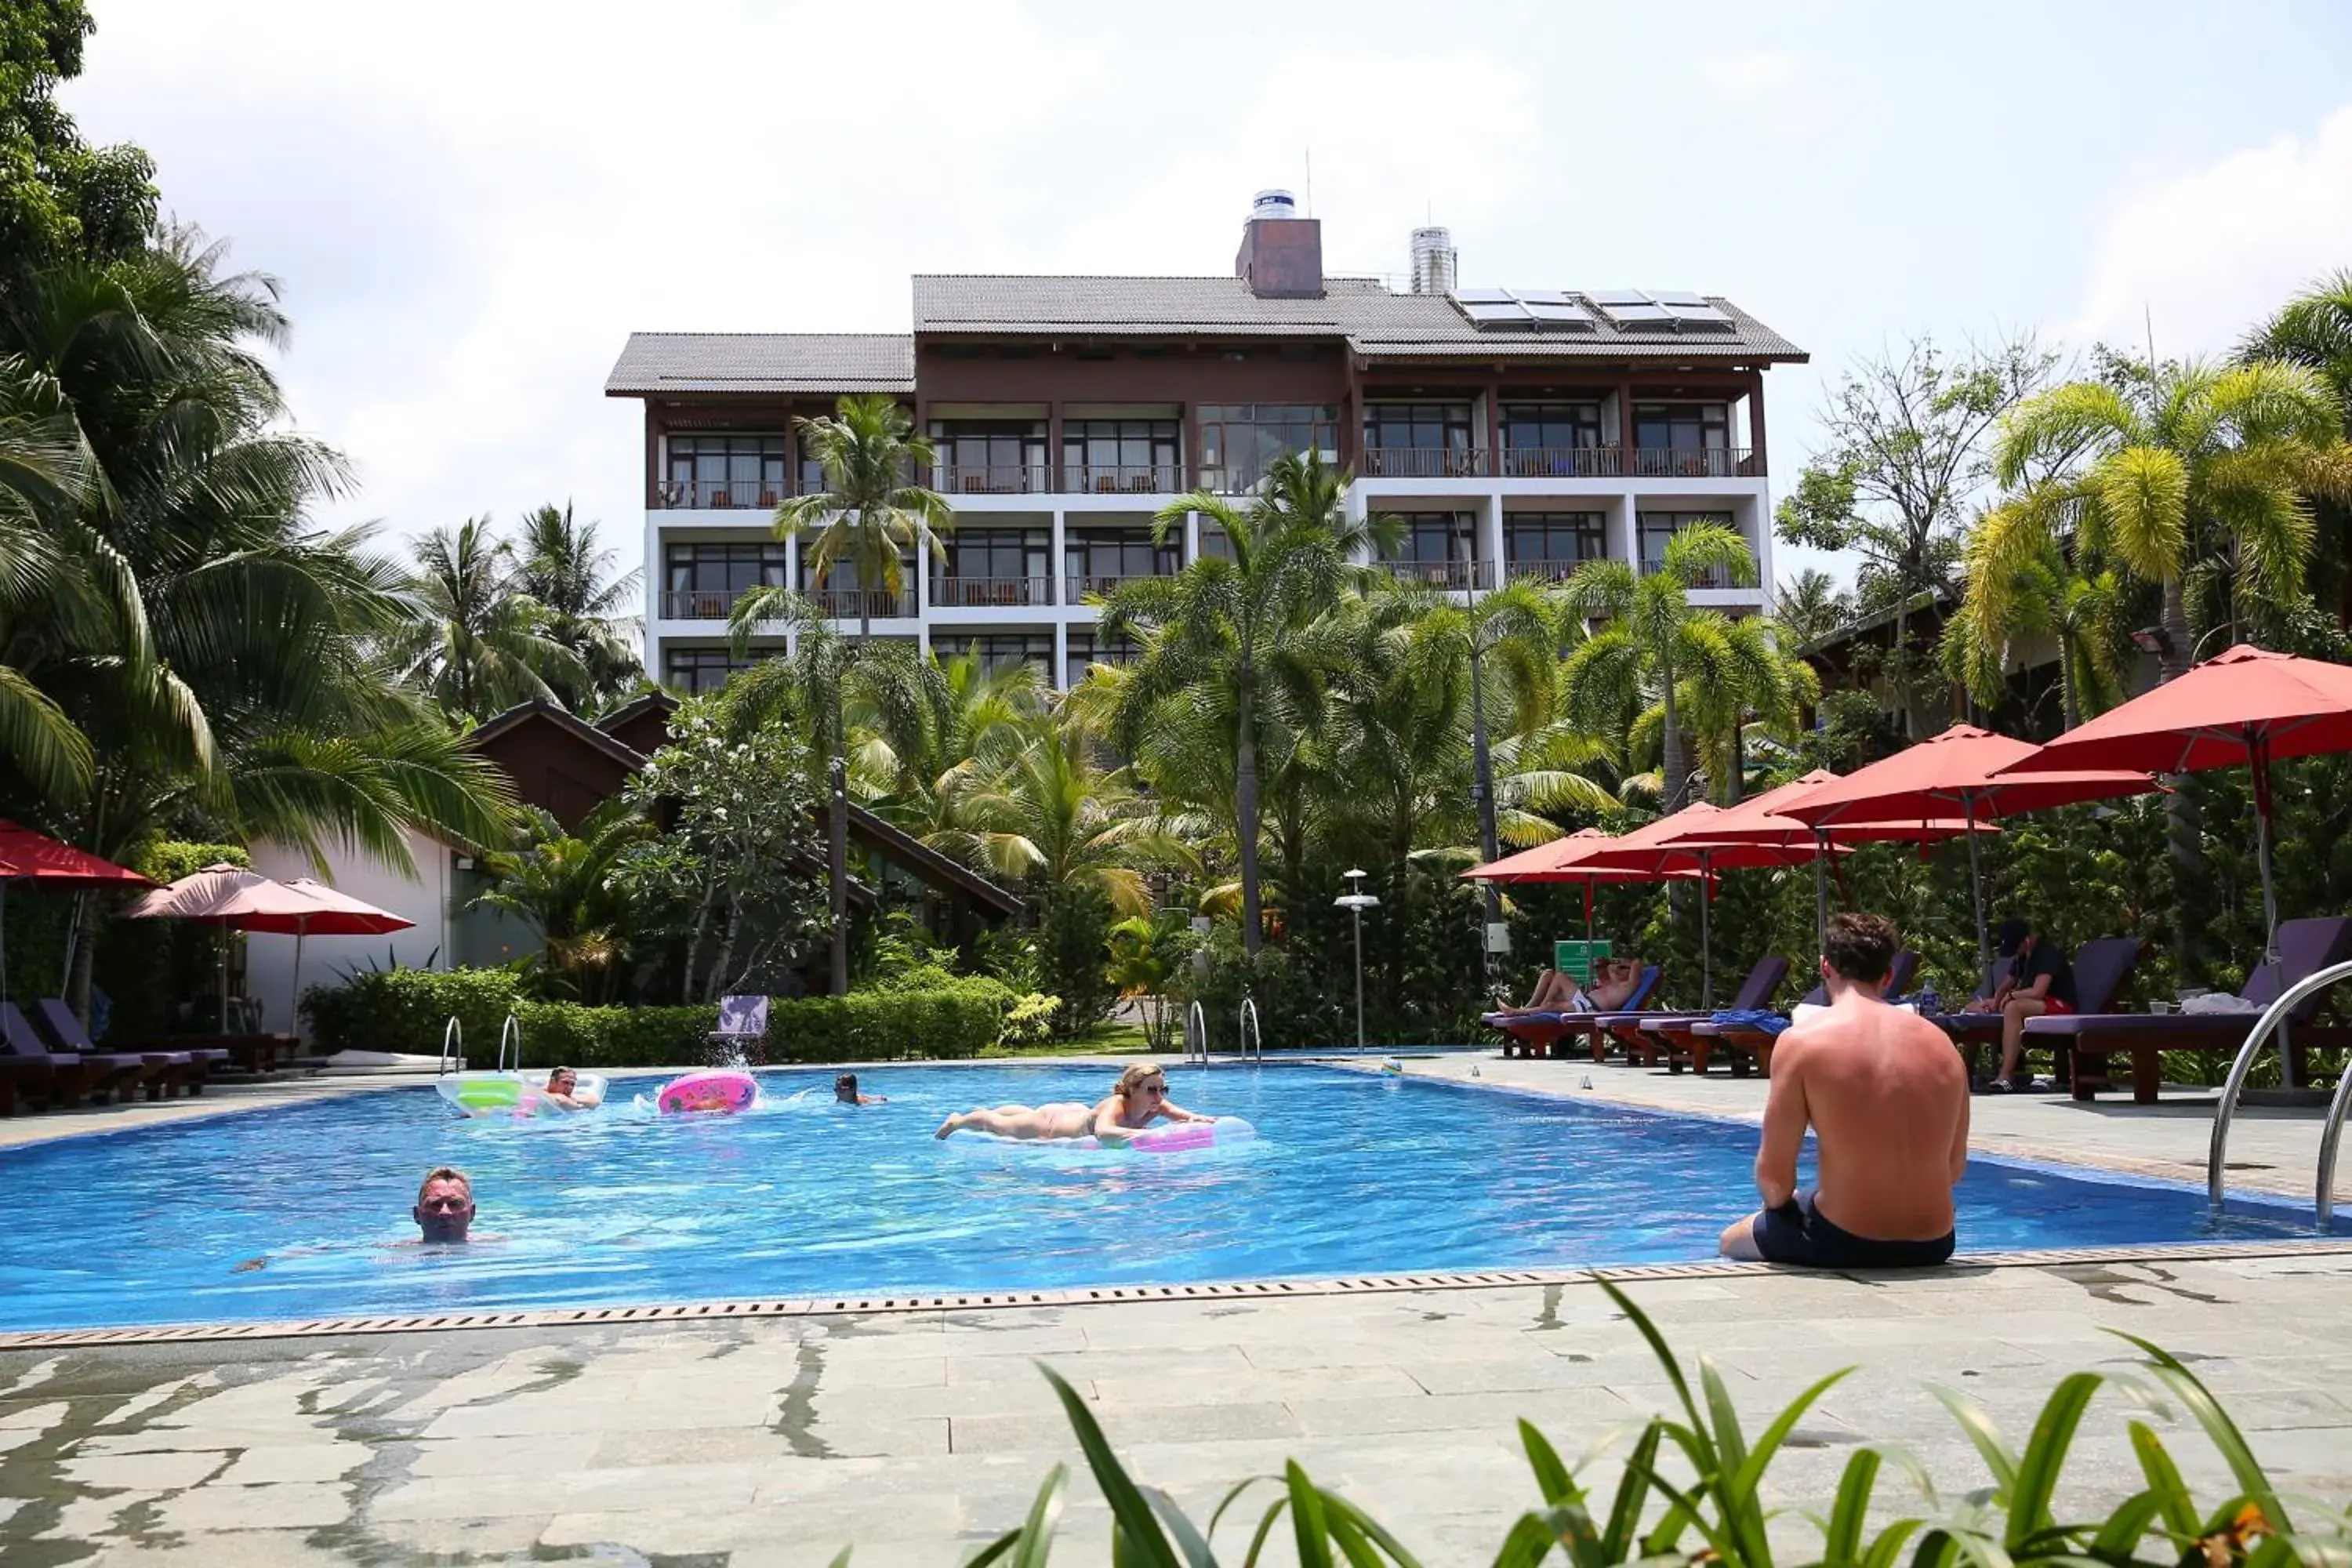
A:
[1281,255]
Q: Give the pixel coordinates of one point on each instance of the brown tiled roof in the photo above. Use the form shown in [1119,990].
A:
[763,361]
[1374,322]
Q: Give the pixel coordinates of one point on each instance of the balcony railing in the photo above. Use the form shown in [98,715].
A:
[953,592]
[1123,479]
[1456,576]
[700,604]
[723,493]
[1710,578]
[1543,571]
[1103,585]
[991,479]
[1623,462]
[856,604]
[1423,463]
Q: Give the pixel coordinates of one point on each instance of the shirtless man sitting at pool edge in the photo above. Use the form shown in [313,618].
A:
[1889,1099]
[1140,1095]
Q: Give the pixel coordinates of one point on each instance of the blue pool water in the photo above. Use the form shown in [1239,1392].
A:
[1349,1174]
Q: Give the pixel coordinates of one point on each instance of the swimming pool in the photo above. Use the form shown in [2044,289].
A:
[1351,1174]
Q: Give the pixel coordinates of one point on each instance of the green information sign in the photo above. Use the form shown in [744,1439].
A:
[1574,959]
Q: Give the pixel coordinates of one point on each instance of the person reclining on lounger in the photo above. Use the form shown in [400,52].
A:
[1614,981]
[1887,1096]
[1140,1095]
[563,1090]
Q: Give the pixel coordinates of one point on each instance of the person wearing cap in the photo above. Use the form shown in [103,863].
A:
[2041,983]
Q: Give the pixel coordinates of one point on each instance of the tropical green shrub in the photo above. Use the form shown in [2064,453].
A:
[1030,1021]
[406,1010]
[1691,1491]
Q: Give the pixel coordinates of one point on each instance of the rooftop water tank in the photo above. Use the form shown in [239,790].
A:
[1432,262]
[1273,204]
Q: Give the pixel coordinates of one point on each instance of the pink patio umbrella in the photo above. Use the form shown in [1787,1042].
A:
[242,900]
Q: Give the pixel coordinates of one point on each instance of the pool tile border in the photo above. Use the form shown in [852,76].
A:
[1095,1296]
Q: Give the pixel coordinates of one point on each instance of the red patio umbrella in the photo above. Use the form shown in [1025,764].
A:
[1556,861]
[2246,706]
[243,899]
[1684,843]
[1759,820]
[35,858]
[1952,775]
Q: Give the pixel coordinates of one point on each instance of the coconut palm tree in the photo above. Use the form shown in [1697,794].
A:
[480,642]
[1232,638]
[2315,329]
[1810,604]
[2081,611]
[1053,817]
[44,473]
[566,570]
[1654,640]
[921,729]
[240,678]
[872,512]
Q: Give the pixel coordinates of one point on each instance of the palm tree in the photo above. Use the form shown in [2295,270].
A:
[1057,819]
[2079,611]
[1518,627]
[1654,640]
[565,569]
[480,642]
[43,474]
[2315,330]
[1810,604]
[921,729]
[871,513]
[561,885]
[1230,638]
[238,677]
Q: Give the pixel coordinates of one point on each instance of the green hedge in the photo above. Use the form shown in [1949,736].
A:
[406,1010]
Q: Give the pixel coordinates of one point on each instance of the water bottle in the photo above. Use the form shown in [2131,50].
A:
[1929,1003]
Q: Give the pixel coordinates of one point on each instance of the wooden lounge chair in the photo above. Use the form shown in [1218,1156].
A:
[72,1076]
[22,1078]
[1668,1038]
[167,1070]
[743,1032]
[1538,1035]
[2305,947]
[1742,1043]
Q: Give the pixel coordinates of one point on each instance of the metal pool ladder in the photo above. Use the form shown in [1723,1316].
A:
[1196,1037]
[452,1032]
[511,1028]
[1253,1041]
[2223,1114]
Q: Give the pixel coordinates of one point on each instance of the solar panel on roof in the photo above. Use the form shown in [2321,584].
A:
[1699,315]
[1545,297]
[1678,297]
[1483,296]
[1639,315]
[1561,313]
[1499,313]
[1620,297]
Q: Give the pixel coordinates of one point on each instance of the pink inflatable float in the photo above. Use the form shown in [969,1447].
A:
[722,1091]
[1176,1137]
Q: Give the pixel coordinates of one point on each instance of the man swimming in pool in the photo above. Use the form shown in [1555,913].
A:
[1139,1096]
[844,1091]
[1889,1099]
[445,1207]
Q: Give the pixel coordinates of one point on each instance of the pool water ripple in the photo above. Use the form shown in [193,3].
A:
[301,1212]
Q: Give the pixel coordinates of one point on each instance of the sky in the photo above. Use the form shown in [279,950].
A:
[469,207]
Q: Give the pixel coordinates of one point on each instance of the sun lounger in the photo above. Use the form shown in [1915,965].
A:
[1537,1035]
[22,1078]
[2101,967]
[1667,1037]
[167,1070]
[72,1076]
[257,1053]
[2305,947]
[1742,1042]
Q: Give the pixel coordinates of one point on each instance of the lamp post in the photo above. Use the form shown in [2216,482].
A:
[1355,901]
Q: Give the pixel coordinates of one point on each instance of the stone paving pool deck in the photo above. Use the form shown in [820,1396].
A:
[917,1436]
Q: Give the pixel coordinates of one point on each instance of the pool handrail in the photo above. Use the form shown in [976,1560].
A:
[1196,1036]
[513,1026]
[1252,1040]
[449,1030]
[2330,1132]
[2226,1112]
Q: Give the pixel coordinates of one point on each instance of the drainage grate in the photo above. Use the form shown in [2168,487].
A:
[1098,1296]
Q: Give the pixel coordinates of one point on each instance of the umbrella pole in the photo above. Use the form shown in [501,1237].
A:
[2258,759]
[1706,946]
[1820,892]
[3,940]
[1976,891]
[294,993]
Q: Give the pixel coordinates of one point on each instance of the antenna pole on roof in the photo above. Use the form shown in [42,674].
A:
[2147,320]
[1310,182]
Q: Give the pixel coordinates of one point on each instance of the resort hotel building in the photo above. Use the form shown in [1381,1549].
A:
[1513,432]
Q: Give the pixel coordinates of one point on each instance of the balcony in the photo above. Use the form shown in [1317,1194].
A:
[1543,569]
[1423,463]
[1123,479]
[973,592]
[1694,463]
[991,479]
[700,604]
[1079,585]
[719,494]
[1453,577]
[1636,462]
[1711,578]
[860,604]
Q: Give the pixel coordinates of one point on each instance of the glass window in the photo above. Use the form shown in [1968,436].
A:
[1657,527]
[703,581]
[994,566]
[1100,455]
[1418,426]
[1681,426]
[999,650]
[1551,427]
[843,596]
[1439,548]
[721,470]
[1089,647]
[1552,543]
[990,456]
[1096,559]
[1214,543]
[1239,441]
[696,670]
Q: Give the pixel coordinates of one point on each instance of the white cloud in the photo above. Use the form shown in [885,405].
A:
[1755,72]
[2207,253]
